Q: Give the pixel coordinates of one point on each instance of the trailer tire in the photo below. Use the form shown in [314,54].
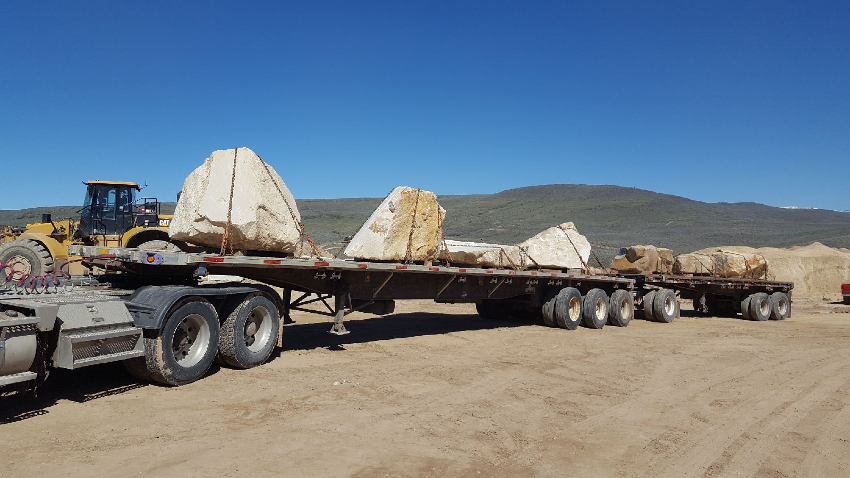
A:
[760,306]
[190,330]
[249,333]
[548,308]
[621,308]
[780,306]
[665,306]
[648,299]
[595,308]
[568,308]
[745,307]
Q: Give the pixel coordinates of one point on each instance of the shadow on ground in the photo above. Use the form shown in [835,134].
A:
[98,381]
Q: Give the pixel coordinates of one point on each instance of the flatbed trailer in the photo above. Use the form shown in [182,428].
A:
[168,328]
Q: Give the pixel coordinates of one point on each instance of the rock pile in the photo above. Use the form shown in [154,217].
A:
[406,226]
[263,214]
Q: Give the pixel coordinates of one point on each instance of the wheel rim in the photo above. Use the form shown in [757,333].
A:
[191,340]
[601,309]
[625,310]
[258,329]
[575,308]
[669,306]
[20,266]
[764,307]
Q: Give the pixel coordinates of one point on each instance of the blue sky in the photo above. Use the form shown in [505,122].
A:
[715,101]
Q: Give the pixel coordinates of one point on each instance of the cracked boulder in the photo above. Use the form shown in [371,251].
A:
[406,226]
[263,214]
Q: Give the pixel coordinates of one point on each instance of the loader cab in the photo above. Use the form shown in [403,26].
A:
[108,208]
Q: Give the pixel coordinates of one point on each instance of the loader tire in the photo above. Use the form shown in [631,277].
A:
[184,348]
[26,256]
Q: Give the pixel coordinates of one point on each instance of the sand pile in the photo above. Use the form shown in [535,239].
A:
[816,270]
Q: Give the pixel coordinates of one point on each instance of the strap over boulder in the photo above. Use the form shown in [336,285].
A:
[236,201]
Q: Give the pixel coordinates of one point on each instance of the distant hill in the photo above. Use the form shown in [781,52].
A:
[610,216]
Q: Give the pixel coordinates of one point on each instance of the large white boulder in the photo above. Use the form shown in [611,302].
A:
[484,255]
[263,216]
[406,226]
[559,247]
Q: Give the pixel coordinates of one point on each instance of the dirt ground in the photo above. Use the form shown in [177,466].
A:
[433,390]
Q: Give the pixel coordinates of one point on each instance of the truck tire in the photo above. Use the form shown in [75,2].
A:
[568,307]
[249,333]
[759,306]
[549,308]
[621,308]
[482,311]
[648,299]
[138,369]
[185,346]
[780,306]
[665,306]
[745,307]
[27,257]
[595,308]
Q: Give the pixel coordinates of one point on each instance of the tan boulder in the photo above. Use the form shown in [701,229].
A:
[730,264]
[406,226]
[644,260]
[693,264]
[559,247]
[263,214]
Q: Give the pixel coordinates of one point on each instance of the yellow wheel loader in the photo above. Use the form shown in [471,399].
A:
[111,216]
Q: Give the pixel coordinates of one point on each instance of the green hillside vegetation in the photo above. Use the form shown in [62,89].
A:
[610,216]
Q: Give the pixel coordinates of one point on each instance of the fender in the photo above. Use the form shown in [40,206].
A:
[156,232]
[150,305]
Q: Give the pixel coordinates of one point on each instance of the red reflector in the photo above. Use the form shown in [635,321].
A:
[554,274]
[322,264]
[571,275]
[433,268]
[489,272]
[363,266]
[461,270]
[533,273]
[271,261]
[400,267]
[213,259]
[513,273]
